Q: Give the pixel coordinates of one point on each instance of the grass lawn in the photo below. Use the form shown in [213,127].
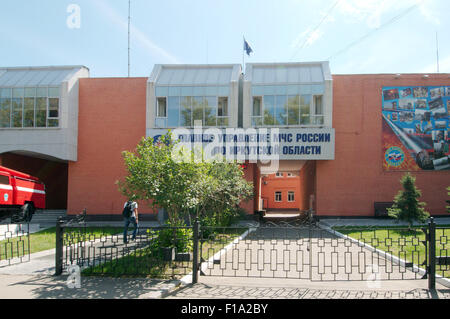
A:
[403,243]
[45,240]
[147,263]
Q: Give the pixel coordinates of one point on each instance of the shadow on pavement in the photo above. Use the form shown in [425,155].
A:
[55,287]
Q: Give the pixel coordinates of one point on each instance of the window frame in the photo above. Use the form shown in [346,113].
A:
[10,106]
[291,200]
[223,117]
[157,115]
[280,200]
[205,98]
[7,178]
[258,121]
[157,106]
[36,96]
[315,116]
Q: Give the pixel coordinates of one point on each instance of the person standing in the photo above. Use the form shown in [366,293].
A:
[130,214]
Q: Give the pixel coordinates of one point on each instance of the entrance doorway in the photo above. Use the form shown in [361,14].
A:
[281,191]
[288,190]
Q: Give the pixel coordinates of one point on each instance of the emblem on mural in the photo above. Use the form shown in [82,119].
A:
[394,156]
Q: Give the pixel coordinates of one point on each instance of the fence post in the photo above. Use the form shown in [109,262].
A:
[59,247]
[432,254]
[195,252]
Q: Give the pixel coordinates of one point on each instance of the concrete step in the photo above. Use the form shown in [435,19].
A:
[47,217]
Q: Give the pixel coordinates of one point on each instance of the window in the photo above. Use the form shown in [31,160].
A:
[185,110]
[286,110]
[53,107]
[293,110]
[290,175]
[161,111]
[278,197]
[222,111]
[197,109]
[17,107]
[210,111]
[278,174]
[41,107]
[305,109]
[269,110]
[257,102]
[5,107]
[174,111]
[29,107]
[257,113]
[291,196]
[318,110]
[53,112]
[4,180]
[280,110]
[161,107]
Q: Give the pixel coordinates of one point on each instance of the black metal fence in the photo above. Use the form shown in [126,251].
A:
[14,244]
[316,254]
[302,251]
[162,252]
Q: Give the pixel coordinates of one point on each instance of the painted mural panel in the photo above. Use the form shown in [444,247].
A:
[415,130]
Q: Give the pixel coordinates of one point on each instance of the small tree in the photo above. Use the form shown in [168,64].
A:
[226,189]
[173,179]
[406,203]
[155,174]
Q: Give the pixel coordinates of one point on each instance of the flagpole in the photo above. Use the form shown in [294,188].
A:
[243,55]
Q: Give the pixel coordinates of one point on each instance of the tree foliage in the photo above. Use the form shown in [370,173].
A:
[406,203]
[173,178]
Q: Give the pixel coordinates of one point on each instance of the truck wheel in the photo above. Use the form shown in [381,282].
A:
[26,212]
[30,213]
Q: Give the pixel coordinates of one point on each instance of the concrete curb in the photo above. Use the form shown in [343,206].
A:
[162,292]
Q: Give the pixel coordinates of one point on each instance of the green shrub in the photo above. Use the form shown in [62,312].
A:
[177,235]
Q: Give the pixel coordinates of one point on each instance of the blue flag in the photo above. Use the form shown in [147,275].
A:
[247,48]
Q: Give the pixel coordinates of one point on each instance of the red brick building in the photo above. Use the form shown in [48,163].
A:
[381,126]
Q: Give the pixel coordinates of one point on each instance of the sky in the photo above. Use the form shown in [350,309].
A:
[355,36]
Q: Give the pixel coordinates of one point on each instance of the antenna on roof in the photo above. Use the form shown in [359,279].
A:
[129,23]
[437,52]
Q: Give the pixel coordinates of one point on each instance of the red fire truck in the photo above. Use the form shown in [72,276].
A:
[20,195]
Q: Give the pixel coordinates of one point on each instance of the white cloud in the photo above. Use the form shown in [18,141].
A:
[429,12]
[142,39]
[372,11]
[310,35]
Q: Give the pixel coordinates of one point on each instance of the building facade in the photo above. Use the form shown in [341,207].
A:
[309,139]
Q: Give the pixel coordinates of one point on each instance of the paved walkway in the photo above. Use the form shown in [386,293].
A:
[52,287]
[264,288]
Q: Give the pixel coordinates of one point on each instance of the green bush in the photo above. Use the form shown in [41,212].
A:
[210,224]
[177,235]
